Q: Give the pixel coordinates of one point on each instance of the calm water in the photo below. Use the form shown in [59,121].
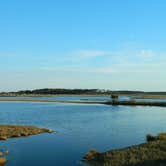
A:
[79,128]
[72,98]
[66,98]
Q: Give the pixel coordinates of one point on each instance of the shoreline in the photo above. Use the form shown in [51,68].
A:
[137,103]
[118,103]
[16,131]
[134,95]
[51,101]
[151,153]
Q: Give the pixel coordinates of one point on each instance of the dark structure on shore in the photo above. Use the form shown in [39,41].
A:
[114,99]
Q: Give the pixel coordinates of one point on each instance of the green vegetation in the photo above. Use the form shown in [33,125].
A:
[152,153]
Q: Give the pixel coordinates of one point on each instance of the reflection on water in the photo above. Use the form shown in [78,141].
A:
[79,128]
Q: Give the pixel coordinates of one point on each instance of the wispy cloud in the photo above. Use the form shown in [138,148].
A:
[146,54]
[117,69]
[111,68]
[127,60]
[112,62]
[92,53]
[128,54]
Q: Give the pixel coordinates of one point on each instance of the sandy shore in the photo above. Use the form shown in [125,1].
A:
[127,103]
[46,101]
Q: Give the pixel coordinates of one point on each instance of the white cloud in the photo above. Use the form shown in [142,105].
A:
[146,54]
[124,61]
[113,70]
[121,55]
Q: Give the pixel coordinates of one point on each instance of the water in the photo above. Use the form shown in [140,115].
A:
[79,127]
[67,98]
[151,100]
[71,98]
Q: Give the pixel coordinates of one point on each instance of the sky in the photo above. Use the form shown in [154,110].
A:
[105,44]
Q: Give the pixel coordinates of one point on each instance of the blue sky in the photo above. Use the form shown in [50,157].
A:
[106,44]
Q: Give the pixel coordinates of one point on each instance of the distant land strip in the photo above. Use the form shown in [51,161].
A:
[124,103]
[51,101]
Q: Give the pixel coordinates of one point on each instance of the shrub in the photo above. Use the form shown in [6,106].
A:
[150,137]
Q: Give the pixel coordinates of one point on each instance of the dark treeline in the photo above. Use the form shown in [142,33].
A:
[138,92]
[58,91]
[48,91]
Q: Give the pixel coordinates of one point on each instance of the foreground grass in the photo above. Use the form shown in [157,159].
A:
[13,131]
[152,153]
[2,158]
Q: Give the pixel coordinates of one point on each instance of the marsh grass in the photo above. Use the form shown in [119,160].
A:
[152,153]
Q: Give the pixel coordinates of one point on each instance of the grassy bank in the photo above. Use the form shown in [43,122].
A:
[13,131]
[152,153]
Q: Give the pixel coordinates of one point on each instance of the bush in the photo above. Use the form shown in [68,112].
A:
[150,137]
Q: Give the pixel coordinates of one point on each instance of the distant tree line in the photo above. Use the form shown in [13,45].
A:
[59,91]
